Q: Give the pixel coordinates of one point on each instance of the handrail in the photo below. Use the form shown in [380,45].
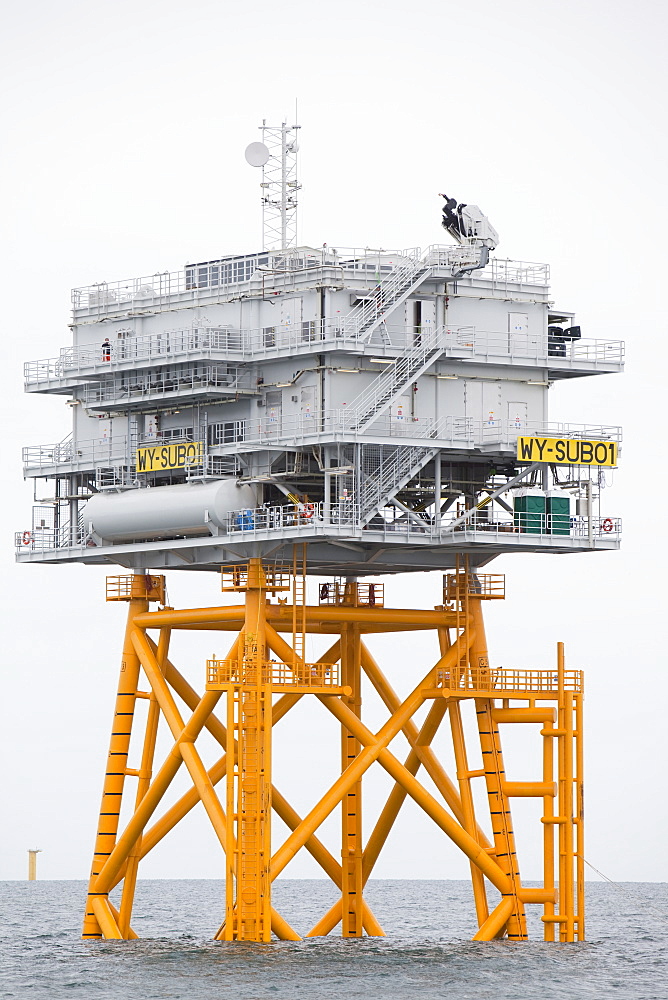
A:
[308,675]
[207,342]
[498,528]
[230,378]
[448,430]
[501,678]
[379,394]
[226,277]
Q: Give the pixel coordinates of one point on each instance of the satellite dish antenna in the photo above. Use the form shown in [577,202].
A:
[257,154]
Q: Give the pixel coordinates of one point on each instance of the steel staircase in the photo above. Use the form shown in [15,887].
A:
[390,293]
[378,396]
[402,281]
[394,471]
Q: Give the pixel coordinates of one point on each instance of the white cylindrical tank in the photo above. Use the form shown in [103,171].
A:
[166,511]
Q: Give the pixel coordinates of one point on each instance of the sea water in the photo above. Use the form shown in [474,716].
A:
[426,954]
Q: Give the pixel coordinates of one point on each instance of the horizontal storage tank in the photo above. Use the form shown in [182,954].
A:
[529,506]
[186,510]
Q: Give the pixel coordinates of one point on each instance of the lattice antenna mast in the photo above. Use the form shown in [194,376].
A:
[277,155]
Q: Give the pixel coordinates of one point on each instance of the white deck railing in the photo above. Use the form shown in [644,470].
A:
[177,346]
[453,431]
[491,526]
[224,277]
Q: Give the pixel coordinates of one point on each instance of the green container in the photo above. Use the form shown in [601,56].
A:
[558,513]
[529,507]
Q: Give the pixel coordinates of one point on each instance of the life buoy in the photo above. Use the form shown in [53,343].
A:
[306,510]
[27,538]
[607,524]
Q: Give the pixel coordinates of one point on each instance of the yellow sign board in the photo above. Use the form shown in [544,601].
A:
[162,458]
[566,451]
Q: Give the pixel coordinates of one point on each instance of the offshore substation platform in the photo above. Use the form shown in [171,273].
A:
[344,415]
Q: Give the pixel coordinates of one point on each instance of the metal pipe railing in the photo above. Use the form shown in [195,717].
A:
[205,343]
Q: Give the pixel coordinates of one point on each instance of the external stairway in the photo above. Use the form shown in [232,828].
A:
[390,293]
[395,469]
[379,396]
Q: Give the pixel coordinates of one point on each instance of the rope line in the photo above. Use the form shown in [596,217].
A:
[617,885]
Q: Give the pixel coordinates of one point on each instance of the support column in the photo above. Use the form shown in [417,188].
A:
[579,814]
[499,803]
[567,811]
[117,759]
[248,843]
[352,882]
[548,829]
[145,774]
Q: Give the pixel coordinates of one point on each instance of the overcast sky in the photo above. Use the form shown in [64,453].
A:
[124,126]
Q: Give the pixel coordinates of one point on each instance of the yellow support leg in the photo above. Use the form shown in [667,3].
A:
[145,771]
[248,907]
[117,761]
[495,776]
[351,804]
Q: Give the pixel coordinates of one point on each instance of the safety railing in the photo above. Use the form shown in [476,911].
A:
[484,586]
[497,523]
[502,679]
[229,379]
[600,352]
[46,539]
[486,525]
[391,525]
[515,272]
[356,594]
[102,451]
[274,578]
[498,431]
[176,346]
[304,675]
[300,515]
[473,342]
[458,432]
[139,586]
[222,278]
[388,290]
[393,472]
[390,383]
[299,426]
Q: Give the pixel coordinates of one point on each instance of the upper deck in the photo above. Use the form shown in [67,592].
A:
[232,278]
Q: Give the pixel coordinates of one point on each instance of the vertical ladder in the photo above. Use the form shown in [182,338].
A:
[462,619]
[248,844]
[570,918]
[298,604]
[352,880]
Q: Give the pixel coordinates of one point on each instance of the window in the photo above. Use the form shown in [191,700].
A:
[229,270]
[269,336]
[226,433]
[308,330]
[176,433]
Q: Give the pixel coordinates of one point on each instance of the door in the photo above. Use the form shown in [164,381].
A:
[518,333]
[482,408]
[523,342]
[400,413]
[308,404]
[517,416]
[291,320]
[274,413]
